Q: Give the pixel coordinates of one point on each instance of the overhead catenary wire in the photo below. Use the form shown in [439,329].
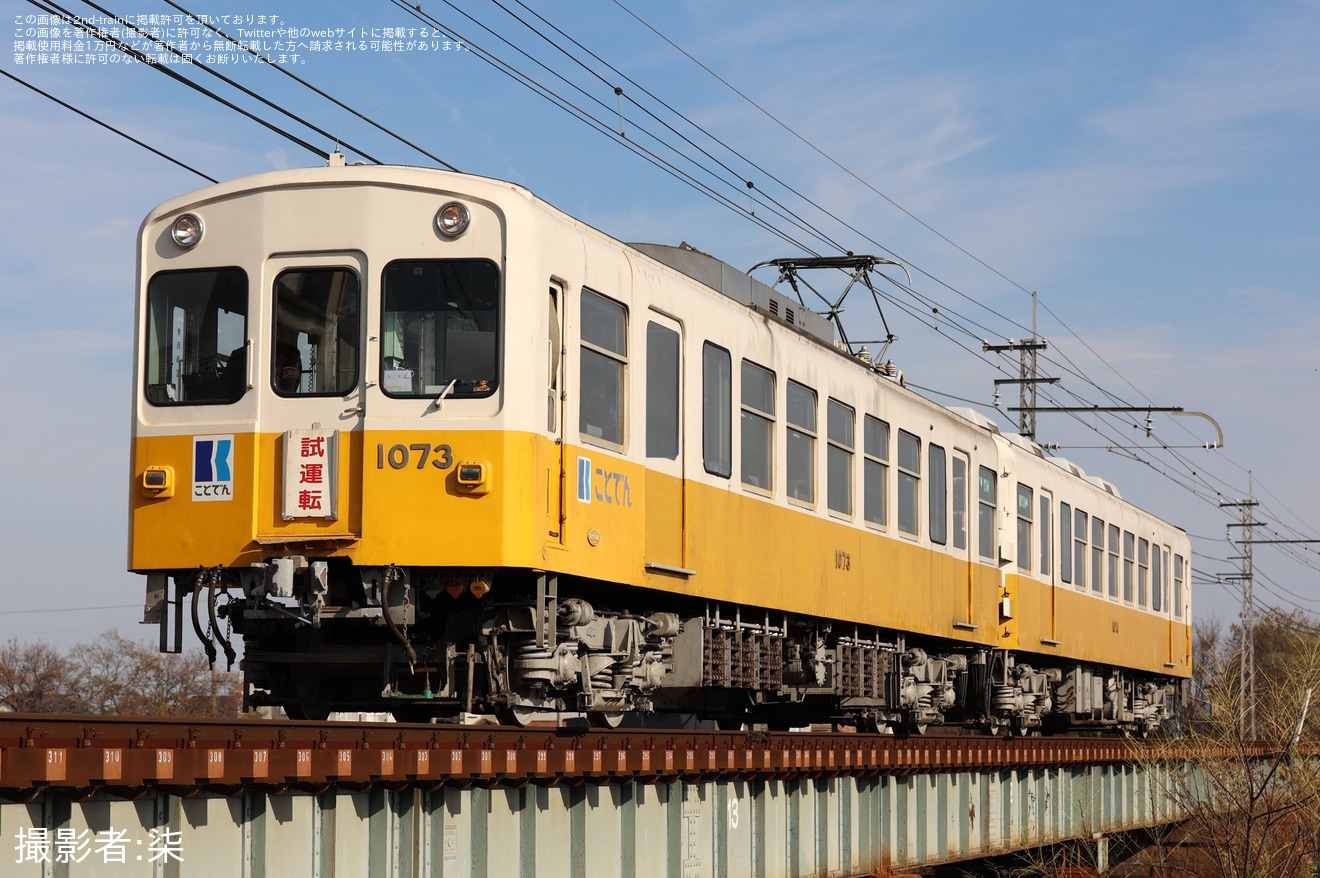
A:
[282,69]
[225,79]
[106,125]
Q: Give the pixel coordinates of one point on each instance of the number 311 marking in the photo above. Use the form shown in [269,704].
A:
[399,456]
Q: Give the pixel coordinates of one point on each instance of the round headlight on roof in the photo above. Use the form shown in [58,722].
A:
[452,219]
[187,230]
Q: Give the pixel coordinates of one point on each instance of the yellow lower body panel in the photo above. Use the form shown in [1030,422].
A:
[585,512]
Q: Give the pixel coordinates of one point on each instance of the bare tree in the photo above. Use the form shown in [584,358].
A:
[33,678]
[121,676]
[1252,808]
[113,675]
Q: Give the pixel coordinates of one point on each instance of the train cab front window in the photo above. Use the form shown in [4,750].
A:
[315,347]
[196,345]
[440,331]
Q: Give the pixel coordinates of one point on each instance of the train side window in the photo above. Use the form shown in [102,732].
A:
[316,332]
[1079,547]
[909,481]
[758,425]
[959,497]
[439,331]
[196,346]
[1177,586]
[1113,562]
[1097,555]
[1143,570]
[938,494]
[1157,578]
[800,411]
[662,371]
[1046,534]
[1024,503]
[875,479]
[604,359]
[987,499]
[1065,542]
[717,410]
[840,421]
[1129,542]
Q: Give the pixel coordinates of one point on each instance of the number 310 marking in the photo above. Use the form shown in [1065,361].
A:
[399,456]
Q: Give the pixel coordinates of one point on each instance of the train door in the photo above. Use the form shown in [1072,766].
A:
[1160,595]
[555,513]
[1045,532]
[665,485]
[311,418]
[960,497]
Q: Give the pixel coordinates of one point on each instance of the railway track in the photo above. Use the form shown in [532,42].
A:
[81,756]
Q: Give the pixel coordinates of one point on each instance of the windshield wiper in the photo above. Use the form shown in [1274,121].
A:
[440,397]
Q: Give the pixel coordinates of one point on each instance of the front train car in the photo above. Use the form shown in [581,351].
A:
[347,433]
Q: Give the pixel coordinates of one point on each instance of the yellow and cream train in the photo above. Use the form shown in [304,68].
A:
[428,445]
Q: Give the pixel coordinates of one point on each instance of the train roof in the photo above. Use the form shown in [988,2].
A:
[739,286]
[338,172]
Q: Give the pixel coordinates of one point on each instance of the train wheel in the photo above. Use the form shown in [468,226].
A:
[314,712]
[867,725]
[411,715]
[517,715]
[600,720]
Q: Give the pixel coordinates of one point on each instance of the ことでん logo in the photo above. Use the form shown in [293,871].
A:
[213,468]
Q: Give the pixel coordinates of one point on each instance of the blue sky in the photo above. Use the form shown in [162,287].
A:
[1150,169]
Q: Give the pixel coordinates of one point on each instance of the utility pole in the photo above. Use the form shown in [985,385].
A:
[1027,378]
[1247,651]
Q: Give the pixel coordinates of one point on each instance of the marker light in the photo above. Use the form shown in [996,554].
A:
[158,481]
[187,230]
[452,219]
[473,476]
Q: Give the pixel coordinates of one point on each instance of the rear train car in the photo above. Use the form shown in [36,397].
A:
[426,444]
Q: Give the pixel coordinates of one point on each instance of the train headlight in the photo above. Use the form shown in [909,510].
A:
[473,476]
[187,230]
[158,482]
[452,219]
